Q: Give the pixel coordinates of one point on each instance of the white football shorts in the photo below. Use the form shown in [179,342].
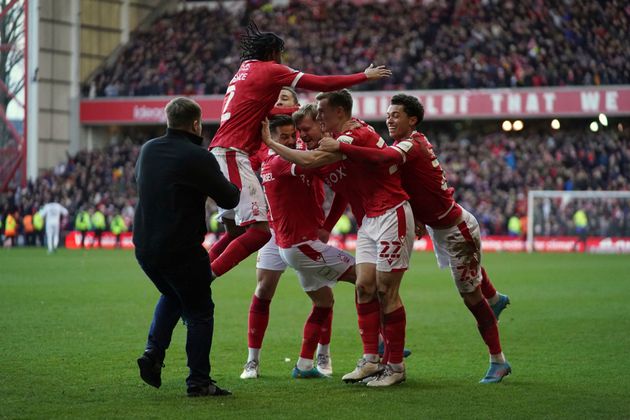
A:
[317,264]
[387,240]
[268,257]
[252,206]
[459,248]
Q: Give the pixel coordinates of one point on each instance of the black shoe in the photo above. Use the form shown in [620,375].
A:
[150,370]
[210,390]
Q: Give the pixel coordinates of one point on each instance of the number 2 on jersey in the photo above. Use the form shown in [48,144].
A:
[229,95]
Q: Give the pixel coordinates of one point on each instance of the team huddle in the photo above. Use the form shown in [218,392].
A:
[395,193]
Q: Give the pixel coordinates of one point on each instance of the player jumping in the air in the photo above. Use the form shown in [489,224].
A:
[319,266]
[453,230]
[384,241]
[249,98]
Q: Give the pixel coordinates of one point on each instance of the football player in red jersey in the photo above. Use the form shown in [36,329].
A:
[453,230]
[319,266]
[250,96]
[286,104]
[384,242]
[269,268]
[336,177]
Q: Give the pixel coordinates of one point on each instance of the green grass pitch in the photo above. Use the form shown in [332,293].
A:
[73,324]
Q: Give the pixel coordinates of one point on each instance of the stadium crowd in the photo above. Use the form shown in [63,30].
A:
[433,45]
[491,175]
[90,185]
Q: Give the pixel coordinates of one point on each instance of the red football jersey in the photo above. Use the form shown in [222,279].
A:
[424,180]
[250,96]
[252,93]
[293,199]
[379,187]
[337,178]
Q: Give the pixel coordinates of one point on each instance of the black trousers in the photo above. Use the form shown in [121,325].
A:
[98,236]
[186,293]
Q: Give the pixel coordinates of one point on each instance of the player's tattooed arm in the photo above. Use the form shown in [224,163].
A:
[305,158]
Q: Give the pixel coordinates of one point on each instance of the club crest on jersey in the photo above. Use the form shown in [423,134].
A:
[255,209]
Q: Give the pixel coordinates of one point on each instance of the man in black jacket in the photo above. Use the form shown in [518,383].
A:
[175,175]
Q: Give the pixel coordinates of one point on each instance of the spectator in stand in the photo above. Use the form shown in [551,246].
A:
[441,44]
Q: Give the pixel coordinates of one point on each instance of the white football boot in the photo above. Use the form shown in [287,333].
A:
[251,370]
[364,369]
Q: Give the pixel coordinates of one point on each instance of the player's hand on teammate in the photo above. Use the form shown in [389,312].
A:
[265,132]
[328,144]
[421,229]
[377,72]
[350,125]
[323,235]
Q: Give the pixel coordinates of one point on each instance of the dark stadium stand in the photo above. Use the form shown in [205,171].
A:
[439,45]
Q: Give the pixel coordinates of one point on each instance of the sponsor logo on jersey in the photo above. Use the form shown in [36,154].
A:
[336,176]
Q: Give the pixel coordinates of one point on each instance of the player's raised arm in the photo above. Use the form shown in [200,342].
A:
[304,158]
[329,83]
[268,47]
[386,156]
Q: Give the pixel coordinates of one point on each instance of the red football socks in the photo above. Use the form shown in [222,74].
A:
[219,246]
[487,325]
[312,329]
[394,324]
[257,322]
[239,249]
[487,288]
[326,330]
[369,325]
